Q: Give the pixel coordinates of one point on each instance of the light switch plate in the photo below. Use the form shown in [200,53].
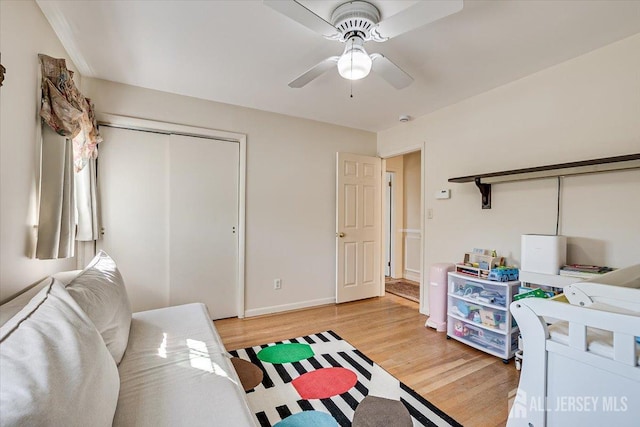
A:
[443,194]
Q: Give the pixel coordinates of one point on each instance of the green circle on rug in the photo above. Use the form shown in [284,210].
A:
[286,353]
[308,419]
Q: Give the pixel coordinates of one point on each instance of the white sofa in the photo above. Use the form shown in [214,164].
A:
[584,368]
[72,353]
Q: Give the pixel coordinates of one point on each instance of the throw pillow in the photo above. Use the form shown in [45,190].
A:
[56,369]
[99,290]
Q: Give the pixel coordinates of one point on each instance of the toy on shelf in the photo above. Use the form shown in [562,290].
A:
[458,329]
[489,318]
[476,317]
[533,293]
[468,311]
[503,274]
[479,263]
[493,297]
[476,291]
[470,290]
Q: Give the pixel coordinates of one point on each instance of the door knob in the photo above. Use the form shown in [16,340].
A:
[339,234]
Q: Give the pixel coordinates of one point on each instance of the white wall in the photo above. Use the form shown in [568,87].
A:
[290,204]
[24,32]
[585,108]
[395,165]
[412,189]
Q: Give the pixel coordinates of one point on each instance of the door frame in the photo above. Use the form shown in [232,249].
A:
[424,292]
[135,123]
[390,250]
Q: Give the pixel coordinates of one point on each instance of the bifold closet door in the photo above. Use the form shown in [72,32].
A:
[133,171]
[170,212]
[203,218]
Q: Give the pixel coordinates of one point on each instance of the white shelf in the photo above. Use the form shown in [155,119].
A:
[554,280]
[480,280]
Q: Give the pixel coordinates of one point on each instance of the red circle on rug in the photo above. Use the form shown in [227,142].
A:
[325,382]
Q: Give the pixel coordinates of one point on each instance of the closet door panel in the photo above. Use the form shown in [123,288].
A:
[203,217]
[133,176]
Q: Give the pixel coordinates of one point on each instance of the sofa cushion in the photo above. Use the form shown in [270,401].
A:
[56,369]
[99,290]
[177,372]
[14,305]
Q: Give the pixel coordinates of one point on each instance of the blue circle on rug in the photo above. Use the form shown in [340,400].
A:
[308,419]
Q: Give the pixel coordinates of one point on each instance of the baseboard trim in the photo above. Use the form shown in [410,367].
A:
[412,275]
[288,307]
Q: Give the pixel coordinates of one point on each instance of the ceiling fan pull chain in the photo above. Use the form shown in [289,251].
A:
[351,58]
[351,81]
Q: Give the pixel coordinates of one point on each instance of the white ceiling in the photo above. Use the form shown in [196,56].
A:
[244,53]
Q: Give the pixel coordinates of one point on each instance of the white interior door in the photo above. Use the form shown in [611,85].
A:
[203,187]
[132,181]
[358,227]
[170,214]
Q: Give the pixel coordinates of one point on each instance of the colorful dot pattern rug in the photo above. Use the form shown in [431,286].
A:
[320,380]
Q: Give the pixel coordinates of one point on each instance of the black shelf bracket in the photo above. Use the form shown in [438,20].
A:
[485,190]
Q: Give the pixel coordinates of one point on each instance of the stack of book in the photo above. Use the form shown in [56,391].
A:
[584,271]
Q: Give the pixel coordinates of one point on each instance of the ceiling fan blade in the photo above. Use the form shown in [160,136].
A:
[314,72]
[415,16]
[389,71]
[304,16]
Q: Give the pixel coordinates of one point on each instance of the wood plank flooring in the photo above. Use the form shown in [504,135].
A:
[467,384]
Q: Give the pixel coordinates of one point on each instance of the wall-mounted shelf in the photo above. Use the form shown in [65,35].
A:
[607,164]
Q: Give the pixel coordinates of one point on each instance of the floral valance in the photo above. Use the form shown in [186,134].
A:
[67,111]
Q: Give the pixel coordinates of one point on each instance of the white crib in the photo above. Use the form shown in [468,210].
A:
[584,369]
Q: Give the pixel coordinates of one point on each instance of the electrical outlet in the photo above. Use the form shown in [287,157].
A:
[277,284]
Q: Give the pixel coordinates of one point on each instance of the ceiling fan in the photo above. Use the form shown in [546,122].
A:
[356,22]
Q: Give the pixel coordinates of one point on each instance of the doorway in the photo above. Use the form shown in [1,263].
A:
[403,219]
[389,236]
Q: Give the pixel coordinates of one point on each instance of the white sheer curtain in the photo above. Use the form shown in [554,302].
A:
[87,203]
[68,167]
[57,216]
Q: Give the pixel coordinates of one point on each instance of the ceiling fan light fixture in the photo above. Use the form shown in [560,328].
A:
[355,63]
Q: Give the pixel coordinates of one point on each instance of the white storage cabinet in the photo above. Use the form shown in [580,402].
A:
[478,314]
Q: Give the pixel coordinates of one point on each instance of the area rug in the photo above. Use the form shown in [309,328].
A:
[321,380]
[403,288]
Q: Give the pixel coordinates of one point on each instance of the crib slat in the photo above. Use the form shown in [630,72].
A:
[624,349]
[578,336]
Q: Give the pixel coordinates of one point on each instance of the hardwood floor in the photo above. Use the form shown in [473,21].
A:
[469,385]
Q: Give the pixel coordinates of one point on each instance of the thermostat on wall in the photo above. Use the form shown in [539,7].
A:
[443,194]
